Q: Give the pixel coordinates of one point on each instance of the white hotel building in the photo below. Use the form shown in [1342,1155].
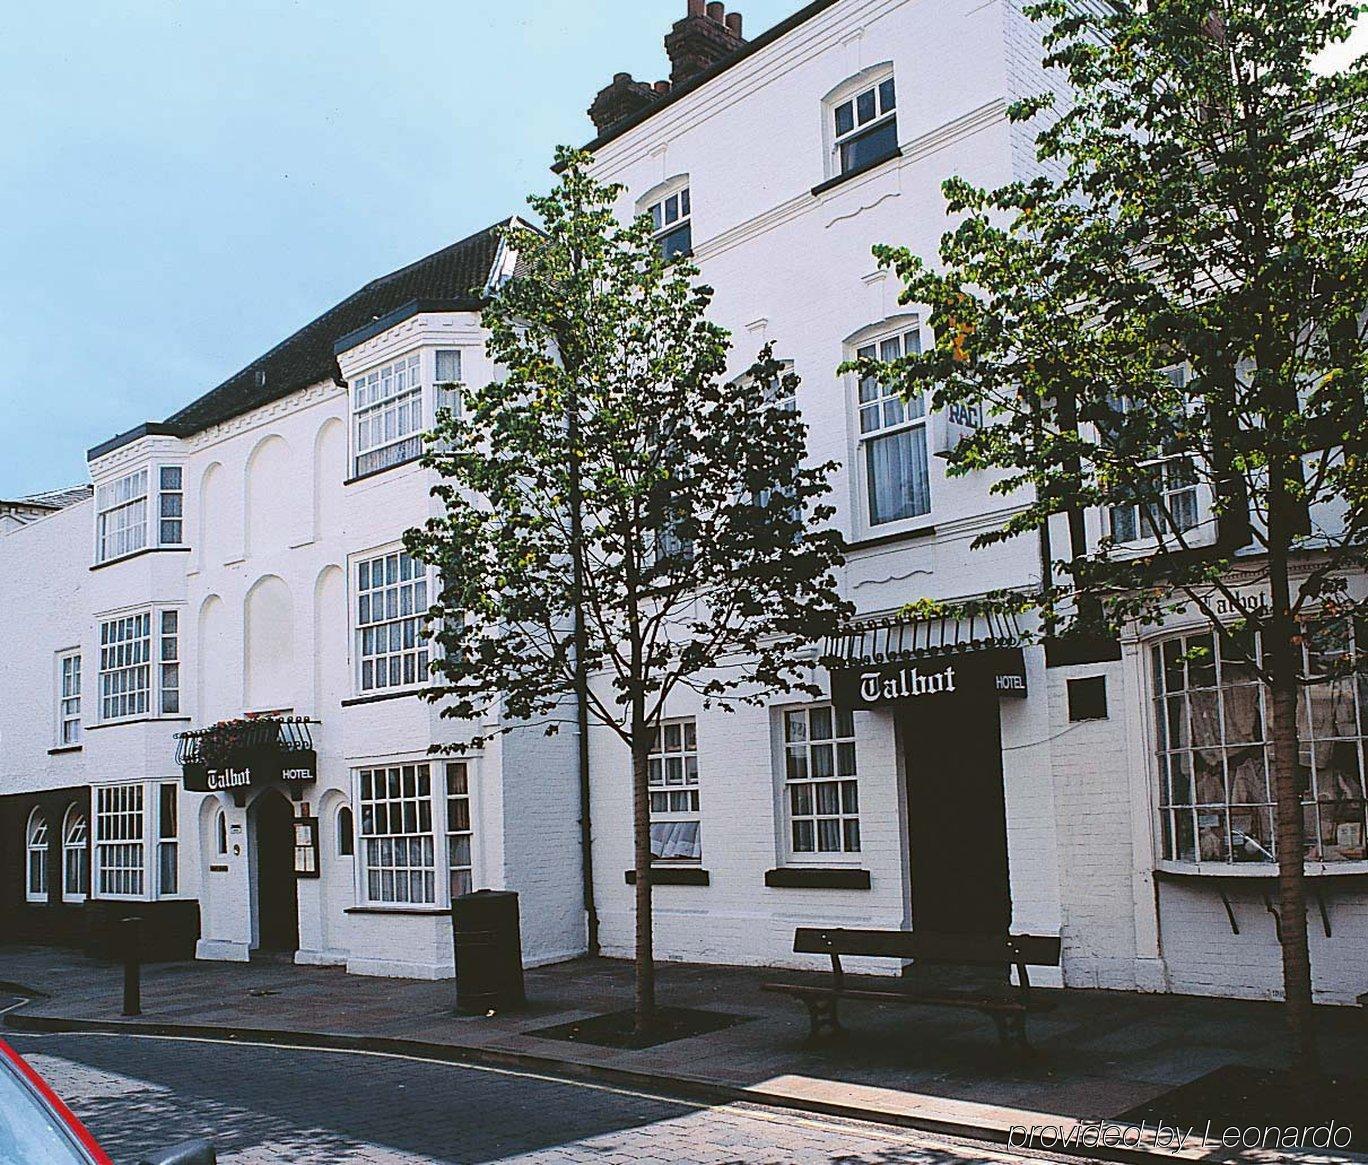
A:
[242,558]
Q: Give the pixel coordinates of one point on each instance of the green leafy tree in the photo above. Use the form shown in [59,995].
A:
[1166,328]
[619,522]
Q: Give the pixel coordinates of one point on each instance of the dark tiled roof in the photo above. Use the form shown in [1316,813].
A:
[456,276]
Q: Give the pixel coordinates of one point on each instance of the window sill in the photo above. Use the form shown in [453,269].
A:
[139,553]
[850,175]
[890,539]
[415,911]
[381,697]
[817,878]
[64,748]
[673,876]
[383,469]
[1254,871]
[138,720]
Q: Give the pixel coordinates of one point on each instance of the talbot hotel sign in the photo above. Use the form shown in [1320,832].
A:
[972,674]
[291,768]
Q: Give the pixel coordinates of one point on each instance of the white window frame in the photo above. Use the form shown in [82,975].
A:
[68,733]
[122,508]
[166,847]
[389,413]
[75,846]
[1181,479]
[407,593]
[888,416]
[458,822]
[876,83]
[373,842]
[444,397]
[170,505]
[152,655]
[134,511]
[675,801]
[804,758]
[37,857]
[1172,699]
[119,813]
[670,208]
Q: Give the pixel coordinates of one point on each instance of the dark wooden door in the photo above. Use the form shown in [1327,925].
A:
[957,820]
[277,891]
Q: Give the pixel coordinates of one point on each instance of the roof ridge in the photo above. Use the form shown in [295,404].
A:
[373,285]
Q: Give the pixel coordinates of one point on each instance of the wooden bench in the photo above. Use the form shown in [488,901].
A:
[1007,1007]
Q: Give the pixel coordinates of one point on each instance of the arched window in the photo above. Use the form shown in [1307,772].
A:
[346,833]
[36,882]
[75,856]
[861,122]
[670,206]
[221,833]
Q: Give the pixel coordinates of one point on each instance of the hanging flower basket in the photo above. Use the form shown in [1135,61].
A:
[232,744]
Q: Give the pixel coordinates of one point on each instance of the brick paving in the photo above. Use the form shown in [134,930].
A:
[262,1105]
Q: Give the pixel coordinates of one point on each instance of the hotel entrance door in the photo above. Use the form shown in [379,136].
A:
[956,813]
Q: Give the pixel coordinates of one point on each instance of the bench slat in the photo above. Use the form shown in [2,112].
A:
[1013,1003]
[970,949]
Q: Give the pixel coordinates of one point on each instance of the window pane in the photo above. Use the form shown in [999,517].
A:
[845,118]
[872,146]
[887,98]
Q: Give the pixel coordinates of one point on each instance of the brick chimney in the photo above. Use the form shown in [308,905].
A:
[623,98]
[706,35]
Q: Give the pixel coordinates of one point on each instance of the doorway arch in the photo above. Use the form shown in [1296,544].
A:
[275,891]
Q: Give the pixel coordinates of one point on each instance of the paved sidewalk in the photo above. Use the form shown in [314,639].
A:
[1098,1055]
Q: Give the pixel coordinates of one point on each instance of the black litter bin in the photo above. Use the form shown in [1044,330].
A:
[488,940]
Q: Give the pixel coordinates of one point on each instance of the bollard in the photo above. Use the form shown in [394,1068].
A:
[130,936]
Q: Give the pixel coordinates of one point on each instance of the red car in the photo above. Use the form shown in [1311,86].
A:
[36,1128]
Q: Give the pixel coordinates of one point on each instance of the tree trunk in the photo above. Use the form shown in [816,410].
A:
[1284,664]
[641,835]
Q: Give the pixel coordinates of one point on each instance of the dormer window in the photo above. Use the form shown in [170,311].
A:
[864,123]
[671,209]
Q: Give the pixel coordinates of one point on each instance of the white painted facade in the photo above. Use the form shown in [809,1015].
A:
[278,520]
[263,586]
[791,264]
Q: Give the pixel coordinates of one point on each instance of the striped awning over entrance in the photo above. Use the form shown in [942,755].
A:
[894,639]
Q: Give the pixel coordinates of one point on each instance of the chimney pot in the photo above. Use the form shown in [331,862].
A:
[734,23]
[717,10]
[696,7]
[662,86]
[622,77]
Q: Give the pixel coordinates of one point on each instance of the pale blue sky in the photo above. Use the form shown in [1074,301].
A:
[183,185]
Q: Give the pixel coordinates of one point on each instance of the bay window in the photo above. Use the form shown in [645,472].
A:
[398,846]
[121,516]
[392,646]
[892,437]
[120,841]
[387,415]
[1216,798]
[130,685]
[672,775]
[145,508]
[822,795]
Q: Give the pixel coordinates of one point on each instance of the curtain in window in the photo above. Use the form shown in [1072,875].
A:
[676,841]
[898,481]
